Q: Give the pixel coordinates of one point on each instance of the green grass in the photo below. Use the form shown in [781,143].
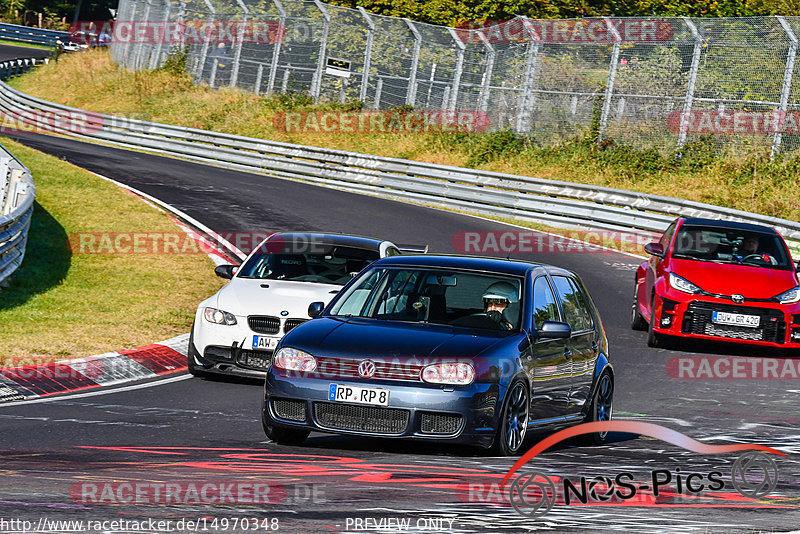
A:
[61,304]
[24,45]
[752,183]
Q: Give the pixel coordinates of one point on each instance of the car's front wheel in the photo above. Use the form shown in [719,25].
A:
[513,421]
[191,363]
[637,319]
[654,339]
[601,408]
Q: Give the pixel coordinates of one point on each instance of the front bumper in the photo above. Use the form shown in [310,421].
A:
[681,315]
[463,414]
[229,349]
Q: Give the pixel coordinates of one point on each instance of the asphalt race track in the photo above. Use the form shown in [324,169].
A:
[61,456]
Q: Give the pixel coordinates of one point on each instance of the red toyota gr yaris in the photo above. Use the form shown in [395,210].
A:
[718,280]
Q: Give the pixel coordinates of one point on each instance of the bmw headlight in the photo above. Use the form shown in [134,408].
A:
[216,316]
[682,284]
[294,360]
[789,297]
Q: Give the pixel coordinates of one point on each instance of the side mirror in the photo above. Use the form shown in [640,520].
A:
[554,330]
[225,271]
[655,249]
[797,267]
[315,308]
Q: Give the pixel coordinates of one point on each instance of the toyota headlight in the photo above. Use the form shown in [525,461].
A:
[682,284]
[216,316]
[294,360]
[789,297]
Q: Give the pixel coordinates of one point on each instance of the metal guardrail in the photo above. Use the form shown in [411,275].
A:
[17,193]
[551,202]
[28,34]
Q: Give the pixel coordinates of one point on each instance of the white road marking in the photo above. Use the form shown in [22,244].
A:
[100,392]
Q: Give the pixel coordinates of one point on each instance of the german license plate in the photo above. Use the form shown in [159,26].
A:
[264,342]
[358,395]
[259,361]
[736,319]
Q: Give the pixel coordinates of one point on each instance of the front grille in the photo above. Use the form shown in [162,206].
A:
[254,359]
[697,320]
[329,367]
[361,418]
[438,423]
[217,354]
[292,410]
[291,323]
[264,324]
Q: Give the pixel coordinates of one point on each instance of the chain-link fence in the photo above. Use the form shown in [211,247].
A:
[650,83]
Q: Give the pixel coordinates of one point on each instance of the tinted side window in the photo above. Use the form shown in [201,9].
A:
[544,303]
[667,236]
[573,304]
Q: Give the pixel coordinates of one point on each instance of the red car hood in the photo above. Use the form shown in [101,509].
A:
[729,279]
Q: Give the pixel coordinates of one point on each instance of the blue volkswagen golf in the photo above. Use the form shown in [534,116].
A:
[470,350]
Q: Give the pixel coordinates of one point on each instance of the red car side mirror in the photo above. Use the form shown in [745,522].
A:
[655,249]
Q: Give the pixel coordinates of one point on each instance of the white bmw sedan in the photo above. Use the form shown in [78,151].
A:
[236,330]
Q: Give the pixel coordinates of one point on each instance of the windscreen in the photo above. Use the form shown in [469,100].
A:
[464,299]
[336,265]
[730,245]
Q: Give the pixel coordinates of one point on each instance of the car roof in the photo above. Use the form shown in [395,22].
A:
[719,223]
[474,263]
[329,239]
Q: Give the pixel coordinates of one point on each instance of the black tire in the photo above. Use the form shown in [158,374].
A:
[654,339]
[190,354]
[637,319]
[513,420]
[602,407]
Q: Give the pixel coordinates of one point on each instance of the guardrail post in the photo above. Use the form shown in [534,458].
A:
[367,53]
[612,74]
[787,85]
[276,50]
[483,98]
[237,51]
[687,104]
[528,84]
[411,93]
[316,84]
[459,69]
[201,65]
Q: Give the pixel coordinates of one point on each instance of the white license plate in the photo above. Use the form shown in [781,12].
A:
[359,395]
[736,319]
[264,342]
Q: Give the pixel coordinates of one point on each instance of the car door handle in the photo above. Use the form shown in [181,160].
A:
[567,354]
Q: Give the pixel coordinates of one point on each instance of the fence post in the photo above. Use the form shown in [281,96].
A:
[612,74]
[138,61]
[787,85]
[483,98]
[459,69]
[316,84]
[237,51]
[378,91]
[411,93]
[204,50]
[276,50]
[155,59]
[367,54]
[687,104]
[528,83]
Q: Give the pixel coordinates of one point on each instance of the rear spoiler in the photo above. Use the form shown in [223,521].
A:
[413,249]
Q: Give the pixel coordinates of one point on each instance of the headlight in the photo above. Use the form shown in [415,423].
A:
[294,360]
[453,373]
[682,284]
[216,316]
[789,297]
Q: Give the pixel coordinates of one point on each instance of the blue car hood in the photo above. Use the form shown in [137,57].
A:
[354,337]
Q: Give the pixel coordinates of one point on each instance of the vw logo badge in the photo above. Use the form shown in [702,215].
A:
[284,313]
[366,369]
[738,299]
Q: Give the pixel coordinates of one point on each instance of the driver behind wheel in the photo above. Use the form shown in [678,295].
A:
[496,300]
[751,246]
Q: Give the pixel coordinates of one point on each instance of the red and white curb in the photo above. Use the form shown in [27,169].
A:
[112,368]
